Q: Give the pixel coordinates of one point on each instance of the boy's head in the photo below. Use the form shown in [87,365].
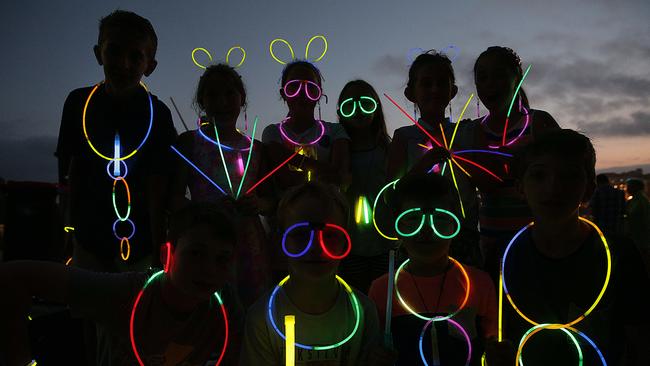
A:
[202,240]
[424,209]
[305,212]
[633,186]
[126,48]
[557,173]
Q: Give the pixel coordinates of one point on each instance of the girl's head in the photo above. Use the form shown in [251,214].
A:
[312,206]
[497,72]
[220,94]
[301,86]
[359,109]
[417,201]
[431,84]
[201,243]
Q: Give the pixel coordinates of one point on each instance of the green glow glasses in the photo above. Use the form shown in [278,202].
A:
[443,223]
[348,107]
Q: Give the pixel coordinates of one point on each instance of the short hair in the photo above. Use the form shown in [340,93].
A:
[563,142]
[328,194]
[127,20]
[218,69]
[602,179]
[511,60]
[431,57]
[422,187]
[635,185]
[197,214]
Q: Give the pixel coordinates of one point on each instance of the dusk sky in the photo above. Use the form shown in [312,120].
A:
[590,60]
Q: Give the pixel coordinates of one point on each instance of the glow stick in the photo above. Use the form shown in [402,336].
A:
[68,229]
[248,160]
[413,120]
[199,171]
[243,52]
[293,55]
[273,171]
[290,348]
[483,151]
[460,199]
[309,44]
[125,253]
[460,118]
[512,102]
[357,216]
[116,155]
[67,262]
[223,160]
[374,210]
[458,326]
[480,167]
[388,339]
[128,199]
[206,52]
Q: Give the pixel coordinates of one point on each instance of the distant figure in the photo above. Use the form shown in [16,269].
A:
[608,206]
[637,218]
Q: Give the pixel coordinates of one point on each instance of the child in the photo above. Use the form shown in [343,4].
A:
[556,269]
[361,114]
[431,86]
[312,218]
[221,95]
[119,106]
[177,319]
[325,154]
[431,283]
[497,72]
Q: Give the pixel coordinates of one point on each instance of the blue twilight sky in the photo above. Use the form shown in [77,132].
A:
[590,59]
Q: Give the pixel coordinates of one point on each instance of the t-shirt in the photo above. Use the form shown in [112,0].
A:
[551,290]
[262,345]
[368,169]
[320,150]
[92,211]
[478,318]
[163,336]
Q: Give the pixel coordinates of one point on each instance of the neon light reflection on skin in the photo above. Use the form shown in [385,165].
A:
[320,239]
[135,306]
[537,326]
[355,306]
[458,326]
[435,318]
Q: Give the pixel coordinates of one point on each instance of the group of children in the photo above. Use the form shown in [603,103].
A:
[488,252]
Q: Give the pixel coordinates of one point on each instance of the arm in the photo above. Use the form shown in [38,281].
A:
[20,281]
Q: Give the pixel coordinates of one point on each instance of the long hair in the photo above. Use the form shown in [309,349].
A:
[378,120]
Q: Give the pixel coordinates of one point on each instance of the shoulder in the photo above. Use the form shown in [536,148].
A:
[336,130]
[271,133]
[480,279]
[78,96]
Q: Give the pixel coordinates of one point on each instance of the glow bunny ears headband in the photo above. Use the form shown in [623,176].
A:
[228,54]
[293,55]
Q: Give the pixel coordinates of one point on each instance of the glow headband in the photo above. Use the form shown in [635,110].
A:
[355,306]
[293,55]
[313,228]
[590,309]
[435,318]
[83,124]
[459,327]
[135,306]
[306,84]
[296,143]
[356,103]
[431,223]
[243,52]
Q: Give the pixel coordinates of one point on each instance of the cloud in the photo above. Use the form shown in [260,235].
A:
[638,124]
[391,65]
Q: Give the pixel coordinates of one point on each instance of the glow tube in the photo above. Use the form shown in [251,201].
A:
[243,52]
[319,36]
[460,118]
[374,210]
[199,171]
[115,229]
[284,240]
[431,223]
[306,84]
[366,216]
[388,339]
[290,348]
[248,159]
[590,309]
[199,124]
[68,229]
[540,327]
[512,102]
[500,319]
[483,151]
[240,165]
[413,120]
[128,200]
[458,326]
[116,155]
[358,211]
[168,259]
[480,167]
[324,247]
[85,131]
[435,318]
[296,143]
[460,199]
[125,250]
[206,52]
[293,55]
[68,261]
[355,306]
[273,171]
[223,161]
[122,165]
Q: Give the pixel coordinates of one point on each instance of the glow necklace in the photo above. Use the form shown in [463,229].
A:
[118,161]
[353,300]
[134,308]
[539,327]
[296,143]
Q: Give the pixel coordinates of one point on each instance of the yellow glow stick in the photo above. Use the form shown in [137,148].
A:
[243,52]
[460,199]
[290,333]
[309,44]
[207,53]
[460,117]
[293,55]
